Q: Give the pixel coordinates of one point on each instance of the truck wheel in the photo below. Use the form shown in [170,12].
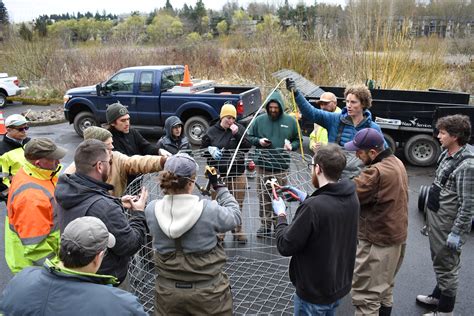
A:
[195,127]
[3,100]
[390,142]
[422,150]
[423,197]
[84,120]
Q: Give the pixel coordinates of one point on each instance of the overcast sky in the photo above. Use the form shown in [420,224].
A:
[26,10]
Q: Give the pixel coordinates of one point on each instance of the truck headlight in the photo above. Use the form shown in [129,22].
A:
[66,98]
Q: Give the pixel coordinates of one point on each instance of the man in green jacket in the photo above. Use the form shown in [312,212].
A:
[274,134]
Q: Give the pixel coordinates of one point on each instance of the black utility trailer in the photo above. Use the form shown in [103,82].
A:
[407,118]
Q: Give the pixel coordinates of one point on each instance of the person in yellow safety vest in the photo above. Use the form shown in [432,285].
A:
[11,148]
[31,228]
[319,136]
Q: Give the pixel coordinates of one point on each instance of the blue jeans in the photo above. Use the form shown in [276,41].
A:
[303,308]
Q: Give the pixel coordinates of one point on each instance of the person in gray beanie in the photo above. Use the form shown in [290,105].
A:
[126,140]
[123,166]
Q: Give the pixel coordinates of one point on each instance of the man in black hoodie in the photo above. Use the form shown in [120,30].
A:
[322,239]
[85,193]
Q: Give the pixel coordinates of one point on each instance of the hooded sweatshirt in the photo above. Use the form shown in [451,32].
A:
[322,240]
[274,157]
[78,195]
[168,142]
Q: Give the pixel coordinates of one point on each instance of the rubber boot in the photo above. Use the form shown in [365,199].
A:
[385,310]
[239,235]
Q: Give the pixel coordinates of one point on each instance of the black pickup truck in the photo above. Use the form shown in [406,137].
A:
[407,118]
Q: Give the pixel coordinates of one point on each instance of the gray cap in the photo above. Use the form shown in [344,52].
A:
[42,147]
[114,111]
[181,165]
[87,234]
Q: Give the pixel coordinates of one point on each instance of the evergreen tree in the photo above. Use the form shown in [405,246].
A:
[3,14]
[25,33]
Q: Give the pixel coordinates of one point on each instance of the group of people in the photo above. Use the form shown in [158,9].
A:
[70,233]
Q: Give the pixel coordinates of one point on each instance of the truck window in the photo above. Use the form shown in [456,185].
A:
[146,81]
[121,82]
[170,78]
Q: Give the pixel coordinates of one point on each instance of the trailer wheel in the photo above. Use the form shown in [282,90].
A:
[390,141]
[195,127]
[3,99]
[84,120]
[422,150]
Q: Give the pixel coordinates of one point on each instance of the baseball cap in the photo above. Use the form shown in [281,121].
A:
[325,98]
[15,120]
[367,138]
[42,147]
[87,234]
[181,165]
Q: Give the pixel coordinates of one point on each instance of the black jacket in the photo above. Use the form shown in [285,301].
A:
[132,143]
[79,195]
[168,142]
[8,144]
[227,143]
[322,240]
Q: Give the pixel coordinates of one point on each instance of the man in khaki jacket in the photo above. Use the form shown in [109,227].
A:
[382,189]
[122,165]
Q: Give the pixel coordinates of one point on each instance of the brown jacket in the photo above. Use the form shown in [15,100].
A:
[383,194]
[123,165]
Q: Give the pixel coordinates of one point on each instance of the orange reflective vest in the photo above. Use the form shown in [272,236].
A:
[31,228]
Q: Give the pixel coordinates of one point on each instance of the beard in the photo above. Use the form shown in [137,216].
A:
[105,176]
[315,180]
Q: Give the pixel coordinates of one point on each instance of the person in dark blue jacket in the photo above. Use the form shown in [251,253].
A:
[342,126]
[174,139]
[71,286]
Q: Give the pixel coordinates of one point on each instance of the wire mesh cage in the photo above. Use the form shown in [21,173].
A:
[258,273]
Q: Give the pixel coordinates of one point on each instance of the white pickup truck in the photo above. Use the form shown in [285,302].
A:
[9,86]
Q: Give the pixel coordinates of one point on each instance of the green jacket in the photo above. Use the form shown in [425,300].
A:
[274,157]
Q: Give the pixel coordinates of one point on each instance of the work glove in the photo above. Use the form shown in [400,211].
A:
[214,179]
[215,152]
[279,207]
[290,85]
[164,152]
[292,194]
[454,241]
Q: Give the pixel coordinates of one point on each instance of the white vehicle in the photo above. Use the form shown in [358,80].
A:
[9,86]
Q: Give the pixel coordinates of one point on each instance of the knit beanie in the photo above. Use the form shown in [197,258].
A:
[95,132]
[228,110]
[114,111]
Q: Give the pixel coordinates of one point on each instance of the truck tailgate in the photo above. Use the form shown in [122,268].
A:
[252,100]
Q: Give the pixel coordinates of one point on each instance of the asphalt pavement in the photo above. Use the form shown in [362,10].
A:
[415,277]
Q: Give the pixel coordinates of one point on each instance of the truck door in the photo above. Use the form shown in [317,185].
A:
[145,101]
[119,88]
[170,101]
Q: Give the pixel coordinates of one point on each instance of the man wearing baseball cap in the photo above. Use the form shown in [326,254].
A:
[11,148]
[31,230]
[319,136]
[84,243]
[382,188]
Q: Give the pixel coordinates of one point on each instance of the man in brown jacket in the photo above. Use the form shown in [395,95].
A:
[382,189]
[122,165]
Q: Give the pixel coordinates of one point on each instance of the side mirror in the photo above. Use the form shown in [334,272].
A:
[98,89]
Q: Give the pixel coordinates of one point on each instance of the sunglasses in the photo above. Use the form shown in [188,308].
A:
[21,129]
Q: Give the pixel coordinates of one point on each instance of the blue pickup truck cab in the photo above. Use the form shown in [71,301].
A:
[148,93]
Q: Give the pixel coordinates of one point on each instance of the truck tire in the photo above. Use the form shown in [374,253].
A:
[423,197]
[84,120]
[390,142]
[195,127]
[3,99]
[422,150]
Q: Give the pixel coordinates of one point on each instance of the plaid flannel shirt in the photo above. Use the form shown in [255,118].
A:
[460,181]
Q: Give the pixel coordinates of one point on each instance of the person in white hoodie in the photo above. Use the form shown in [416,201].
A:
[189,260]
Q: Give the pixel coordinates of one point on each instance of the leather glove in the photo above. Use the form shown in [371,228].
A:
[215,152]
[214,179]
[292,194]
[279,207]
[454,241]
[290,85]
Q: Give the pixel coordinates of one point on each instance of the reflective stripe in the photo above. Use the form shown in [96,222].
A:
[29,241]
[30,185]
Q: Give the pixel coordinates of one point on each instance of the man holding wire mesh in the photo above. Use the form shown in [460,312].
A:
[274,134]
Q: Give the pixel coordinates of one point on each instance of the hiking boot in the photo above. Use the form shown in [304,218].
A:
[263,232]
[239,235]
[436,313]
[427,300]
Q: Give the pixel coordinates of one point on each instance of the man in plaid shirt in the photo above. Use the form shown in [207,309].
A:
[450,208]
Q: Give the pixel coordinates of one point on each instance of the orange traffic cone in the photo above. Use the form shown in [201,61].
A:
[3,130]
[187,78]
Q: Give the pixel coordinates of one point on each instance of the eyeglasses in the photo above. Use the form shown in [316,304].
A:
[351,101]
[21,129]
[109,161]
[311,166]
